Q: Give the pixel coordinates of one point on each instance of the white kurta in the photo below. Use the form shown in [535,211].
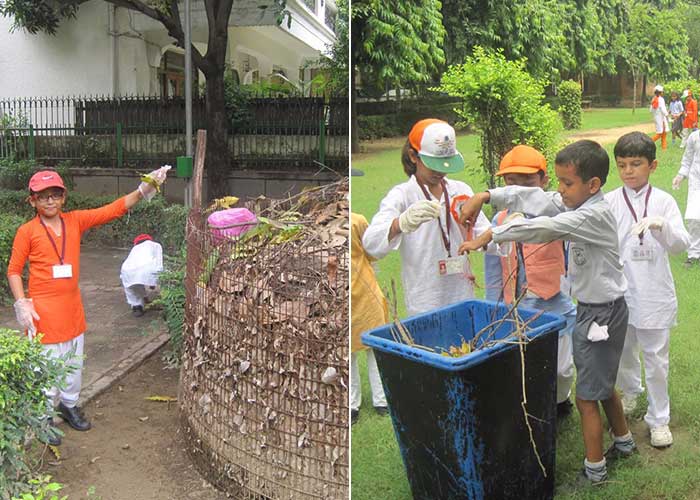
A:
[143,264]
[690,168]
[424,288]
[651,292]
[660,115]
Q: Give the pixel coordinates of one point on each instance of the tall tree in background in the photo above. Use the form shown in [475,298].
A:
[395,44]
[46,16]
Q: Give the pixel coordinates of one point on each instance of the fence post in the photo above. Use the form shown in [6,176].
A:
[32,146]
[322,141]
[120,151]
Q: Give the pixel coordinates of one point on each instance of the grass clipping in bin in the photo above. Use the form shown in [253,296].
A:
[401,334]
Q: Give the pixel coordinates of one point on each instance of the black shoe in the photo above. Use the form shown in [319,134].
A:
[381,410]
[137,311]
[689,262]
[74,417]
[354,416]
[54,438]
[564,408]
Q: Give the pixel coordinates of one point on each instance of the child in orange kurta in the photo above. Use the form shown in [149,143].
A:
[50,242]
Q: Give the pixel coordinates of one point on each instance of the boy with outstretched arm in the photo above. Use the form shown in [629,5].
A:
[578,213]
[533,270]
[650,227]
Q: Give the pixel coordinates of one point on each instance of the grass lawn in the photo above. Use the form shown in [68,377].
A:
[613,117]
[377,468]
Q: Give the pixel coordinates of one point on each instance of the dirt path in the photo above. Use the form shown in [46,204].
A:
[604,136]
[134,450]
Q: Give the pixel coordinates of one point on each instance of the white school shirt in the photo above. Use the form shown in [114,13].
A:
[651,293]
[690,168]
[424,289]
[595,269]
[143,264]
[660,115]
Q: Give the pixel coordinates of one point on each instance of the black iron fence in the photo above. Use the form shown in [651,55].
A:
[265,132]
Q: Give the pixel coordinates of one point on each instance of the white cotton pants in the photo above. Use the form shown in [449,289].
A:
[654,346]
[135,295]
[694,231]
[565,368]
[69,392]
[375,383]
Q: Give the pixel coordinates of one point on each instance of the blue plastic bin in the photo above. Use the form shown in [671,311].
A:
[459,421]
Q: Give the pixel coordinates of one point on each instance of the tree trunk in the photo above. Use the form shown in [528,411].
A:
[634,91]
[218,160]
[355,137]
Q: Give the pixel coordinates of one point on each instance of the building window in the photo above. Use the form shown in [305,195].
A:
[331,15]
[171,75]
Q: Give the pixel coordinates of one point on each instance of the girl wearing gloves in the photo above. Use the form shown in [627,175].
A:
[416,217]
[50,242]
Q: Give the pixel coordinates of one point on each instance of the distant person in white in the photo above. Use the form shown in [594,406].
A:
[140,271]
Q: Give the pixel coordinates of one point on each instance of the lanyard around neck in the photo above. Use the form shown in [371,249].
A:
[62,255]
[445,237]
[634,214]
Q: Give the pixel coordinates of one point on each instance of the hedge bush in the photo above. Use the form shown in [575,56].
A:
[570,104]
[25,372]
[15,174]
[399,124]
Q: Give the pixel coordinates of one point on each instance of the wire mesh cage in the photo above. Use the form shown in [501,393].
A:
[265,362]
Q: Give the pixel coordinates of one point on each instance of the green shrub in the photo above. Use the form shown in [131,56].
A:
[504,104]
[164,221]
[15,174]
[43,489]
[172,299]
[399,124]
[570,104]
[9,223]
[25,372]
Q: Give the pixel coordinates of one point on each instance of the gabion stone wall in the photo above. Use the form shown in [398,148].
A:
[265,366]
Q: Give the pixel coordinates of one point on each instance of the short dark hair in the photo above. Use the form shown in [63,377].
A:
[589,158]
[408,165]
[635,144]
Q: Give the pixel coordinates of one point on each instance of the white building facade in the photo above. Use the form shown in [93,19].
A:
[109,50]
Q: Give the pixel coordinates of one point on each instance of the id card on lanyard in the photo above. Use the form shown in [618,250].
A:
[450,265]
[634,214]
[61,270]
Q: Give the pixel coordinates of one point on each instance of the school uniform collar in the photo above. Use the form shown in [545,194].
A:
[599,196]
[631,193]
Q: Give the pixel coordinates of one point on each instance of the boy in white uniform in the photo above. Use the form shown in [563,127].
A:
[139,273]
[649,228]
[690,169]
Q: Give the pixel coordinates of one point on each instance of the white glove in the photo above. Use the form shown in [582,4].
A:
[25,313]
[676,184]
[596,333]
[418,213]
[149,189]
[653,222]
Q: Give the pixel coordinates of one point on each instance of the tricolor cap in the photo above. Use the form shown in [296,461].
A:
[142,237]
[658,88]
[45,179]
[436,145]
[522,160]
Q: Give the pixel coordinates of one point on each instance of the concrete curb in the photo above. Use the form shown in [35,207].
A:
[134,358]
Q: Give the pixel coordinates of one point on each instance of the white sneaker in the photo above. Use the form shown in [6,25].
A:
[629,403]
[661,436]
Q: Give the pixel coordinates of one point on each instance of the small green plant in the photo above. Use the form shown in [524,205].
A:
[570,104]
[9,222]
[172,299]
[42,489]
[25,373]
[504,104]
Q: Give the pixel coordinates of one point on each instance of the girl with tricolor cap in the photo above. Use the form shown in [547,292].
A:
[418,218]
[50,243]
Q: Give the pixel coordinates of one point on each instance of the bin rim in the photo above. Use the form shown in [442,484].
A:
[555,322]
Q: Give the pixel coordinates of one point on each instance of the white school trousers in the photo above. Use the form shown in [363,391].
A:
[694,231]
[69,392]
[654,346]
[375,383]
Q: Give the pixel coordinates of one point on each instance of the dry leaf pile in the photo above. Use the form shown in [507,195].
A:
[264,373]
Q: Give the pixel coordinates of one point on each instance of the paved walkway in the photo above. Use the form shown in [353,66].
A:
[115,341]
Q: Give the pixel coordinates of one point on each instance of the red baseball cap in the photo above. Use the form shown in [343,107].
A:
[142,237]
[522,160]
[44,180]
